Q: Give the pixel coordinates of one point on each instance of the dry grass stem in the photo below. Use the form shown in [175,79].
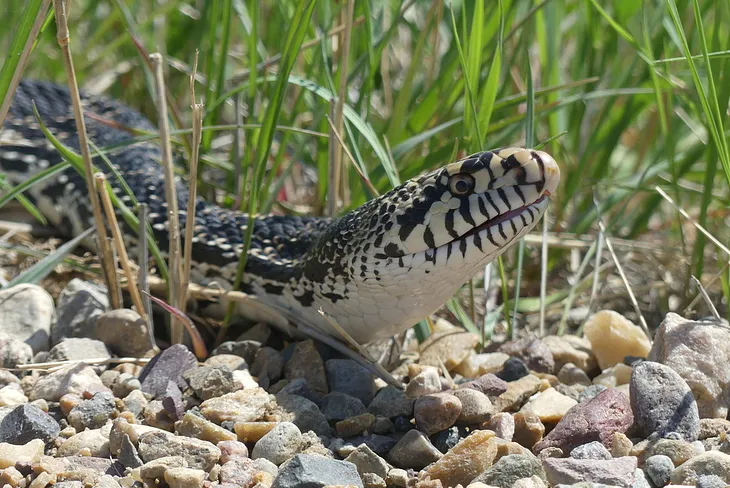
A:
[55,365]
[543,272]
[596,271]
[105,252]
[119,244]
[365,180]
[143,259]
[173,215]
[706,298]
[37,24]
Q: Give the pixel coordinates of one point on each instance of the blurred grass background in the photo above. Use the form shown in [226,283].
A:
[626,95]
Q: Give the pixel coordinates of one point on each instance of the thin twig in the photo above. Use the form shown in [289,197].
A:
[543,272]
[596,272]
[706,297]
[119,243]
[105,252]
[143,259]
[364,178]
[52,365]
[173,215]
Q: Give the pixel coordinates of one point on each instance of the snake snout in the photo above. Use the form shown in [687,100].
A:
[550,171]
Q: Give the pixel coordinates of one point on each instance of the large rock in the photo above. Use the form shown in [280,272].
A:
[593,420]
[26,314]
[27,422]
[662,402]
[699,352]
[310,471]
[614,337]
[710,463]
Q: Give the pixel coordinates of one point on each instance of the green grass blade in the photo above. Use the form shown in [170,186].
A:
[39,177]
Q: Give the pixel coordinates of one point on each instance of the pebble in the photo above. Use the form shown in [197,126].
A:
[592,450]
[13,352]
[596,419]
[128,455]
[391,402]
[436,412]
[489,384]
[356,425]
[465,461]
[549,405]
[280,444]
[590,392]
[662,402]
[475,365]
[503,424]
[196,426]
[303,413]
[246,349]
[508,469]
[347,376]
[230,361]
[78,306]
[74,378]
[710,463]
[571,349]
[424,383]
[232,450]
[513,369]
[413,450]
[92,413]
[448,348]
[124,332]
[616,472]
[531,482]
[338,406]
[89,442]
[475,406]
[617,375]
[371,480]
[155,469]
[366,461]
[169,365]
[269,364]
[529,430]
[306,363]
[533,352]
[517,393]
[659,469]
[698,352]
[711,481]
[211,382]
[252,431]
[305,470]
[26,315]
[12,395]
[184,477]
[570,374]
[198,454]
[12,454]
[27,422]
[240,406]
[614,337]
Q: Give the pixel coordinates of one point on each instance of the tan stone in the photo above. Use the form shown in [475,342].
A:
[621,445]
[550,406]
[252,431]
[613,337]
[195,426]
[517,393]
[449,348]
[712,462]
[184,477]
[240,406]
[571,349]
[27,453]
[476,365]
[617,375]
[529,430]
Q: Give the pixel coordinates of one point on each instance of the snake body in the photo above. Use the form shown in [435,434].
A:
[376,270]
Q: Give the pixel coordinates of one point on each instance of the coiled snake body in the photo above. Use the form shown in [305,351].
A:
[376,271]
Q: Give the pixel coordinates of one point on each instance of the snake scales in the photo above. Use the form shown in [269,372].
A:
[376,270]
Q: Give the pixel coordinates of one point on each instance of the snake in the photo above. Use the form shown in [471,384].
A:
[375,271]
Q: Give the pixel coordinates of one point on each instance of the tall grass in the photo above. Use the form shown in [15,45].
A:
[625,95]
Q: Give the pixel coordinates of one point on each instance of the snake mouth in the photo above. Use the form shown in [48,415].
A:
[503,217]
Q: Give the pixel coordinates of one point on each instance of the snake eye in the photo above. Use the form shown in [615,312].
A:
[461,184]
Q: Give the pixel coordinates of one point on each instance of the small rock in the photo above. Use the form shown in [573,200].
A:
[383,425]
[198,427]
[169,365]
[135,402]
[446,439]
[26,314]
[448,348]
[698,351]
[208,382]
[305,470]
[232,450]
[173,402]
[367,461]
[436,412]
[372,480]
[124,332]
[128,455]
[391,402]
[306,363]
[268,364]
[659,469]
[245,349]
[86,468]
[489,384]
[592,450]
[93,413]
[74,378]
[596,419]
[11,454]
[531,482]
[240,406]
[517,393]
[12,395]
[590,393]
[475,406]
[621,445]
[710,463]
[279,445]
[713,427]
[184,477]
[301,412]
[413,450]
[570,374]
[355,425]
[503,424]
[397,477]
[230,361]
[77,308]
[711,481]
[156,468]
[198,454]
[617,375]
[346,376]
[528,429]
[27,422]
[678,450]
[475,365]
[550,406]
[533,352]
[92,442]
[616,472]
[571,349]
[662,402]
[253,431]
[614,337]
[13,352]
[513,369]
[339,406]
[424,383]
[508,469]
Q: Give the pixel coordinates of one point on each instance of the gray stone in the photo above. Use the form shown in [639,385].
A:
[197,453]
[338,406]
[14,352]
[303,413]
[246,349]
[209,382]
[662,402]
[368,462]
[124,332]
[78,348]
[310,471]
[505,472]
[489,384]
[710,481]
[413,450]
[347,376]
[128,454]
[26,314]
[592,450]
[93,413]
[640,480]
[77,308]
[268,364]
[590,392]
[173,401]
[74,378]
[391,402]
[617,472]
[170,365]
[475,406]
[659,469]
[306,363]
[280,444]
[27,422]
[92,442]
[535,354]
